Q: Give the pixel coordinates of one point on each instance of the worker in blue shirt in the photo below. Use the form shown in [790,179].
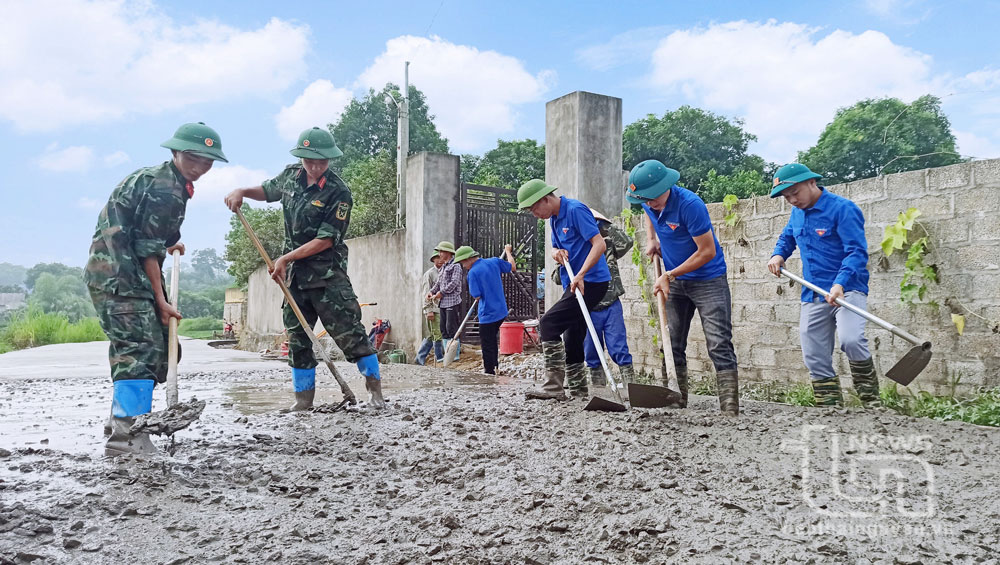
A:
[829,231]
[679,229]
[577,239]
[486,284]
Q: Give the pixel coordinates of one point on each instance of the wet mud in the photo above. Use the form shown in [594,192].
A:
[462,469]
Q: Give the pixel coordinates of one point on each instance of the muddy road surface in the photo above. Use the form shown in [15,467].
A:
[462,469]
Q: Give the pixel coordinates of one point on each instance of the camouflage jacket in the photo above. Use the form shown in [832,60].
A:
[618,244]
[142,218]
[320,211]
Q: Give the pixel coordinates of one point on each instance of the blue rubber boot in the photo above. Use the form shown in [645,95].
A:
[368,366]
[304,383]
[425,349]
[131,398]
[439,351]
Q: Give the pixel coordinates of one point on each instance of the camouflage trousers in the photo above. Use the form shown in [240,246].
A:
[337,306]
[138,348]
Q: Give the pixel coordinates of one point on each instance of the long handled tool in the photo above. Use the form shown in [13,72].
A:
[907,368]
[346,390]
[175,277]
[652,396]
[596,402]
[449,354]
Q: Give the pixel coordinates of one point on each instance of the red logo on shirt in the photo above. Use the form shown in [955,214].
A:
[820,232]
[673,226]
[565,231]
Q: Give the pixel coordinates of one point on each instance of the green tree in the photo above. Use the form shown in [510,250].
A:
[65,295]
[368,127]
[469,166]
[12,275]
[743,184]
[269,225]
[693,141]
[57,269]
[511,164]
[373,185]
[884,135]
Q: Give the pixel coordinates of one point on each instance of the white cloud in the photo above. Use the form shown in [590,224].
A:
[76,158]
[219,181]
[621,49]
[319,104]
[473,94]
[899,11]
[979,147]
[89,203]
[785,79]
[67,62]
[117,158]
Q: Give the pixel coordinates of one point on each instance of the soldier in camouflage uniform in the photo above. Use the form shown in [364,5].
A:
[137,228]
[317,210]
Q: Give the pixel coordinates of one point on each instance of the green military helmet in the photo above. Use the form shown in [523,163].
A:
[199,139]
[531,192]
[790,174]
[465,252]
[649,180]
[433,257]
[316,143]
[446,246]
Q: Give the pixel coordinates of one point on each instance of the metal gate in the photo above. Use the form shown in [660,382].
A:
[487,220]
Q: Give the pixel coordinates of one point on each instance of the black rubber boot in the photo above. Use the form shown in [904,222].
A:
[303,400]
[729,392]
[576,376]
[827,391]
[554,353]
[597,377]
[865,382]
[374,387]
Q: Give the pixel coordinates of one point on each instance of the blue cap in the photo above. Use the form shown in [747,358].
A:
[648,180]
[790,174]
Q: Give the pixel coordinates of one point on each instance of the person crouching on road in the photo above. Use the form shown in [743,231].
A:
[448,290]
[577,239]
[486,284]
[432,314]
[136,230]
[679,229]
[829,231]
[316,204]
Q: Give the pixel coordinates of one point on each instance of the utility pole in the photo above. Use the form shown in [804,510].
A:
[402,145]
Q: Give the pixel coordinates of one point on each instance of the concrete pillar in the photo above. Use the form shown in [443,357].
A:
[583,158]
[432,198]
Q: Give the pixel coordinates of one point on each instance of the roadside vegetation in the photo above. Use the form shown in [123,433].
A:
[199,328]
[31,327]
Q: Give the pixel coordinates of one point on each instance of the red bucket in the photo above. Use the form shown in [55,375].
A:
[510,338]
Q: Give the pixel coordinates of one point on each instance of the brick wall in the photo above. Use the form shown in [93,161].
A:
[961,211]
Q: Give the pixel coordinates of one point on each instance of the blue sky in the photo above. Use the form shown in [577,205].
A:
[88,90]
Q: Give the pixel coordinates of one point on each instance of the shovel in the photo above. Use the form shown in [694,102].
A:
[449,354]
[596,402]
[344,389]
[907,368]
[652,396]
[175,277]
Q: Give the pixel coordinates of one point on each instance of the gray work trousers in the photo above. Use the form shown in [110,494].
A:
[818,321]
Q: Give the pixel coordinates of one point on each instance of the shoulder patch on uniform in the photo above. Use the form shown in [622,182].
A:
[342,210]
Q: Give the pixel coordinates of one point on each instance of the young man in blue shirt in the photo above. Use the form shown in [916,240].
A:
[486,285]
[577,239]
[829,231]
[679,229]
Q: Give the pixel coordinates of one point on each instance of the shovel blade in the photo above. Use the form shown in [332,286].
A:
[907,368]
[652,396]
[604,405]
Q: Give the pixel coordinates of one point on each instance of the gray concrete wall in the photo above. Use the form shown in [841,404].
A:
[583,158]
[264,328]
[961,208]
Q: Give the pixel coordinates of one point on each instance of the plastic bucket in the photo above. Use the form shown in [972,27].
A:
[397,356]
[510,338]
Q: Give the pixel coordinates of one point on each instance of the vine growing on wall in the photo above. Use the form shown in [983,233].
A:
[629,220]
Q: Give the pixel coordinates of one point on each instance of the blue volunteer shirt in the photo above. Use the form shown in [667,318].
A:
[831,241]
[685,217]
[572,230]
[486,285]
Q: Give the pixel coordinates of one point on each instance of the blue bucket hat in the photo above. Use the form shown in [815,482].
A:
[790,174]
[649,180]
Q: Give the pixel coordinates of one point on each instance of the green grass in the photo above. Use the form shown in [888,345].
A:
[199,324]
[33,328]
[197,334]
